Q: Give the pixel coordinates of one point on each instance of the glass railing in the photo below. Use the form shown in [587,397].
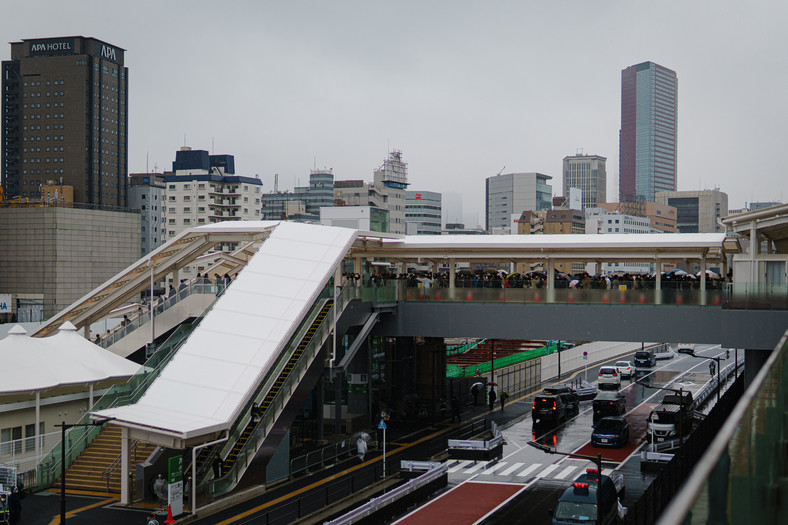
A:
[78,438]
[742,476]
[164,304]
[684,293]
[247,453]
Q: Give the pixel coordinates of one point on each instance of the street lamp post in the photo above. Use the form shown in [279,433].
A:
[717,361]
[63,427]
[597,461]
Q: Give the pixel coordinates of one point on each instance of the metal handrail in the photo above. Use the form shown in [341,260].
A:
[116,463]
[120,331]
[242,421]
[246,454]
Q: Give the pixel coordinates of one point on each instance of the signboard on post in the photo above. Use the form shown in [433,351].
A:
[175,481]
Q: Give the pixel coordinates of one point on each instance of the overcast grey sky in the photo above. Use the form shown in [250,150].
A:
[462,88]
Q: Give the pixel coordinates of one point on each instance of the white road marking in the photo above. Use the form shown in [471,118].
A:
[477,467]
[494,467]
[459,466]
[530,469]
[511,469]
[547,470]
[564,473]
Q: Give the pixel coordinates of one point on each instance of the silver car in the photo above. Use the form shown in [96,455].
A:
[624,368]
[609,377]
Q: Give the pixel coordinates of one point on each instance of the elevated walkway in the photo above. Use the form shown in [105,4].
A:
[169,313]
[243,348]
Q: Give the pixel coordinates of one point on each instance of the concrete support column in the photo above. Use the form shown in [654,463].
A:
[550,271]
[125,492]
[38,424]
[658,281]
[90,397]
[176,279]
[358,268]
[86,330]
[753,253]
[451,278]
[703,279]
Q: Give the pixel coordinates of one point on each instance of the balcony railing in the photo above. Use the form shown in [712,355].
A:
[730,295]
[742,476]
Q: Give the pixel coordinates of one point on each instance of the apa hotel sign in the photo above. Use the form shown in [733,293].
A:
[52,46]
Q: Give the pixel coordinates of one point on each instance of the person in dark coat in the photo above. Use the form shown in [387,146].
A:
[492,399]
[455,409]
[14,507]
[218,464]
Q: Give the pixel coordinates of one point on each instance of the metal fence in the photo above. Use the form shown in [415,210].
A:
[647,509]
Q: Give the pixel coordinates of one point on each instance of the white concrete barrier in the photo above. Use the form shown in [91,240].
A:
[572,359]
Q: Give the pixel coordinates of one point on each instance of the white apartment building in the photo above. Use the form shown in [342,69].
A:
[599,220]
[193,200]
[146,193]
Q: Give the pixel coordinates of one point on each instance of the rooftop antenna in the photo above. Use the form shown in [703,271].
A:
[315,162]
[147,157]
[213,151]
[276,183]
[184,140]
[501,170]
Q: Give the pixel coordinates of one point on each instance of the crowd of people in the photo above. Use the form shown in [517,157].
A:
[493,278]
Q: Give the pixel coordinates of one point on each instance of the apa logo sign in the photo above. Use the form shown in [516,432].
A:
[5,304]
[110,53]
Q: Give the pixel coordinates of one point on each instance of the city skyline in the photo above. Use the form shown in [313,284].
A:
[461,92]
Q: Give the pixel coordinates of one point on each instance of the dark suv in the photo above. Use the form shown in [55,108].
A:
[609,404]
[548,408]
[568,396]
[645,359]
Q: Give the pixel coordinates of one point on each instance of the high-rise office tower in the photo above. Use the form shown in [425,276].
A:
[511,194]
[64,117]
[648,136]
[589,174]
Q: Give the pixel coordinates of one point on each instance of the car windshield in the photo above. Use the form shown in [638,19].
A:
[642,355]
[607,425]
[572,511]
[607,370]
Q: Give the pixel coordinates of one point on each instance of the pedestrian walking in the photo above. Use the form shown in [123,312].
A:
[3,509]
[14,506]
[361,448]
[504,397]
[492,399]
[455,409]
[218,465]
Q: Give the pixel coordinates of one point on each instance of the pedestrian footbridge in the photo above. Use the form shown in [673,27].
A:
[269,335]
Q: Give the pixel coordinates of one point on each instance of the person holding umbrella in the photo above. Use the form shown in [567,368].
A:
[475,389]
[492,397]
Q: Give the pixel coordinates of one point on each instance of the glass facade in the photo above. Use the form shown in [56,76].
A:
[647,150]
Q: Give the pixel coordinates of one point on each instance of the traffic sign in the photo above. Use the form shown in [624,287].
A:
[382,425]
[585,355]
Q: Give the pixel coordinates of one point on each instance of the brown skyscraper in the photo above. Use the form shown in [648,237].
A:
[64,116]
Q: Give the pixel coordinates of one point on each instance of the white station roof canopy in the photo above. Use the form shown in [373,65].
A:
[64,359]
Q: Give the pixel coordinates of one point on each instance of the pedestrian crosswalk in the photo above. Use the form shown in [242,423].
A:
[518,471]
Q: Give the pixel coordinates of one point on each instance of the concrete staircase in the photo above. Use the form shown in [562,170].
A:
[88,471]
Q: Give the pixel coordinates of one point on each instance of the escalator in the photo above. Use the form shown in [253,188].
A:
[270,395]
[266,403]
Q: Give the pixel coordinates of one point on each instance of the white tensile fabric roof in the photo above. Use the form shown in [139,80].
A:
[212,375]
[63,359]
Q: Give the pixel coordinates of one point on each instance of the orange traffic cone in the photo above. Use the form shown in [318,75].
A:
[169,519]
